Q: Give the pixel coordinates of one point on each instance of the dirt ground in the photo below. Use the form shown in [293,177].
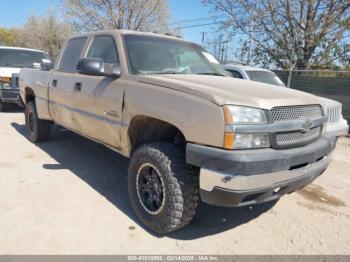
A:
[69,196]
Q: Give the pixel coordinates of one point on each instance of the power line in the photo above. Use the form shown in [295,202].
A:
[199,25]
[194,20]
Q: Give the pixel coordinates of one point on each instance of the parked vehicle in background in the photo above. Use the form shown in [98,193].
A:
[189,129]
[12,60]
[336,124]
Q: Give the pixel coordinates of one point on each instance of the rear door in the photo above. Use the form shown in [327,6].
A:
[62,85]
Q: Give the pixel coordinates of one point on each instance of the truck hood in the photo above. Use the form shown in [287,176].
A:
[8,71]
[227,90]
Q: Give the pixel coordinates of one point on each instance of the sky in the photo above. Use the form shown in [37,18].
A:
[15,13]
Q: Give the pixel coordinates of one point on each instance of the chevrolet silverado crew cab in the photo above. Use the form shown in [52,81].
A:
[336,124]
[12,60]
[191,131]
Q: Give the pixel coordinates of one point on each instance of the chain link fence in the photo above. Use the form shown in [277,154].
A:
[330,84]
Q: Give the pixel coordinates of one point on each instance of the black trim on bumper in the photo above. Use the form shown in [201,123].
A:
[257,161]
[227,198]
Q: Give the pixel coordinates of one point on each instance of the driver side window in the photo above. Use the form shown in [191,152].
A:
[104,47]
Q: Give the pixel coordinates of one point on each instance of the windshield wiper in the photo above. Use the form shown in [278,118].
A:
[210,74]
[164,73]
[167,73]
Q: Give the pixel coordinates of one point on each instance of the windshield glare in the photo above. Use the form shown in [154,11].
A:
[154,55]
[21,58]
[265,77]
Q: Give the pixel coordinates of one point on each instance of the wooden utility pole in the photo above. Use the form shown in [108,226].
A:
[220,43]
[203,37]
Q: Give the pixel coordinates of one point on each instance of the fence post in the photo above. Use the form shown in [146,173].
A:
[290,74]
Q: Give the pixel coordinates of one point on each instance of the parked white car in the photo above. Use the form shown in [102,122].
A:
[12,60]
[336,124]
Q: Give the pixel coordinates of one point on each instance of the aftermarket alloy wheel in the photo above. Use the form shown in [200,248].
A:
[163,189]
[38,130]
[150,189]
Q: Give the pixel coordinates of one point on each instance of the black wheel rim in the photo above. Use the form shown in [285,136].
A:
[150,189]
[31,122]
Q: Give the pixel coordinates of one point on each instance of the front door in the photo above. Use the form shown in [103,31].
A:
[99,99]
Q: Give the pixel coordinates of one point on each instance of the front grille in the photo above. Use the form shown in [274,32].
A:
[334,114]
[287,113]
[290,113]
[296,137]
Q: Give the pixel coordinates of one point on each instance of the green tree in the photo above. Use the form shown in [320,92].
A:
[7,37]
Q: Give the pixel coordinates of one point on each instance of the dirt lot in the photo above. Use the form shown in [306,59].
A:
[69,196]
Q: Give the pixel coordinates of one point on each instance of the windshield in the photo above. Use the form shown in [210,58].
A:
[21,58]
[265,77]
[155,55]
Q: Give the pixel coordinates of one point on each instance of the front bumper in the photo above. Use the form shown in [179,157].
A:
[9,95]
[239,178]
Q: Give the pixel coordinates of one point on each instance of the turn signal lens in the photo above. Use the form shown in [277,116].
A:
[5,79]
[228,115]
[229,140]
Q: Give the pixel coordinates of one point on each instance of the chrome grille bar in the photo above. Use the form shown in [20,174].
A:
[334,114]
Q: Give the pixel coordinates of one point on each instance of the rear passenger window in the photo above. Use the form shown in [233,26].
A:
[104,47]
[71,55]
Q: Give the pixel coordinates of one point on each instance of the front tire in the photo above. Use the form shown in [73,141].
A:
[38,130]
[163,189]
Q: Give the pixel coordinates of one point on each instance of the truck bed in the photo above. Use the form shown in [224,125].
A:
[38,82]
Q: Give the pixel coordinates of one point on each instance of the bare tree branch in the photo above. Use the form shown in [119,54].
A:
[142,15]
[307,28]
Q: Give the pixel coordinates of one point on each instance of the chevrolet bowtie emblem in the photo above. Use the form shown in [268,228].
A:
[306,127]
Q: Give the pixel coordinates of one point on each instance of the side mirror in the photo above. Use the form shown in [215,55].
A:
[46,66]
[96,67]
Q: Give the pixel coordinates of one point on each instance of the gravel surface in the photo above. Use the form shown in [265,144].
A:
[69,196]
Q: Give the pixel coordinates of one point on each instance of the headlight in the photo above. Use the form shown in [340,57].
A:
[244,115]
[239,115]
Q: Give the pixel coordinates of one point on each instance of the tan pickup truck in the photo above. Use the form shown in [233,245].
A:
[191,131]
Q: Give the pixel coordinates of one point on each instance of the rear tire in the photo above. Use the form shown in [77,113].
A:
[169,174]
[38,130]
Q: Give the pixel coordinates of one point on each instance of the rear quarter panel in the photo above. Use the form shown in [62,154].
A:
[37,81]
